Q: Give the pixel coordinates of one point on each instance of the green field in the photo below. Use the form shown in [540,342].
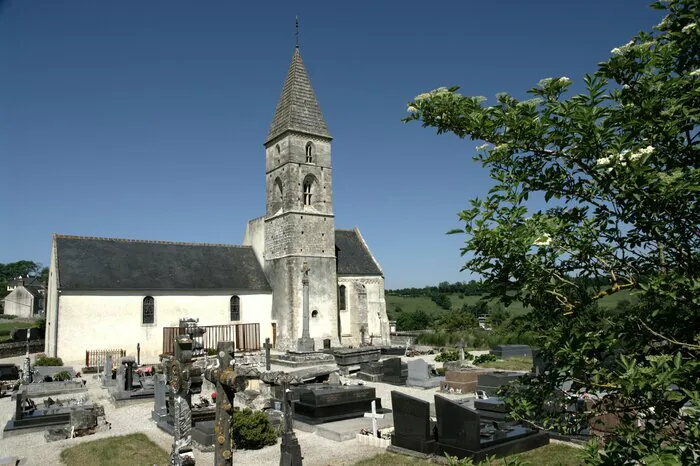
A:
[411,304]
[8,326]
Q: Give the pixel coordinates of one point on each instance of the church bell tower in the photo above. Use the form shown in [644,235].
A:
[299,220]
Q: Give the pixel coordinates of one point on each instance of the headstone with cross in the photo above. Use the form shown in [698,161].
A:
[374,417]
[305,343]
[461,352]
[221,372]
[290,449]
[267,345]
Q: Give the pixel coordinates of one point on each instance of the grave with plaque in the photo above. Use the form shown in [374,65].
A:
[319,403]
[511,351]
[492,381]
[462,380]
[461,432]
[395,371]
[420,374]
[413,427]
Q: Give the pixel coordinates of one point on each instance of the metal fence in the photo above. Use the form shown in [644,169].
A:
[246,337]
[96,358]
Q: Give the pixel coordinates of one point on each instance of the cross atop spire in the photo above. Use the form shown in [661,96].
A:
[297,109]
[297,33]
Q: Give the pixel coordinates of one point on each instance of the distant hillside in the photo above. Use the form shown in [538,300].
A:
[425,303]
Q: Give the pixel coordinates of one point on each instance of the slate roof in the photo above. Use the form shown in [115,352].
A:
[86,263]
[297,109]
[352,255]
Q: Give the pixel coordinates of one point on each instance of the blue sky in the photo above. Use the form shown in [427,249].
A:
[146,119]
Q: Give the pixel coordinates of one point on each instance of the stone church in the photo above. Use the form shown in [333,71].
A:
[108,293]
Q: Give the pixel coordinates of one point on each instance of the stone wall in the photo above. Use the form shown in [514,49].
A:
[20,303]
[365,307]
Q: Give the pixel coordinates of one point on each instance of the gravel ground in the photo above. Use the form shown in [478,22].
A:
[316,450]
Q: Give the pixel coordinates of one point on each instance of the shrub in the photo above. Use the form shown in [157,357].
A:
[7,316]
[485,358]
[61,376]
[251,430]
[212,352]
[43,360]
[449,355]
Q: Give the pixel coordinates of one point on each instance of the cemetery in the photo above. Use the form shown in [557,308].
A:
[574,341]
[382,402]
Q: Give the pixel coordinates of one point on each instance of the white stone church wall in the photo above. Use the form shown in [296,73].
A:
[377,323]
[114,320]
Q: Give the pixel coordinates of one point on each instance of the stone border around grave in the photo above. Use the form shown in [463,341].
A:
[372,441]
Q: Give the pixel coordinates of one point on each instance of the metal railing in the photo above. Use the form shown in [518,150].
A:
[246,337]
[96,358]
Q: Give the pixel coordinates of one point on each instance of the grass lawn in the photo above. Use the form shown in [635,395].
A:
[512,364]
[554,454]
[127,450]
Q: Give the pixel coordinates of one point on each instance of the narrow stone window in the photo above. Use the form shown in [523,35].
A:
[307,192]
[341,298]
[235,308]
[148,314]
[309,153]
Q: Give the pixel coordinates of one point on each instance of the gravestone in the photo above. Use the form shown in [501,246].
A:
[540,363]
[371,371]
[395,371]
[413,429]
[305,343]
[419,375]
[492,381]
[462,433]
[462,381]
[160,407]
[267,347]
[107,379]
[491,408]
[510,351]
[325,403]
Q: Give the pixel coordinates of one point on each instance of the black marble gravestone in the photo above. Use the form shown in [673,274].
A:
[395,371]
[511,351]
[462,434]
[492,381]
[413,429]
[320,403]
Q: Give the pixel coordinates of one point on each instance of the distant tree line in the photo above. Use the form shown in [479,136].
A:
[471,288]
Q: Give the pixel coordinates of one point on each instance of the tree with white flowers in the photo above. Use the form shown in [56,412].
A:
[617,168]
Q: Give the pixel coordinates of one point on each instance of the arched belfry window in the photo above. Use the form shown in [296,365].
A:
[235,308]
[341,297]
[307,192]
[148,312]
[309,152]
[277,194]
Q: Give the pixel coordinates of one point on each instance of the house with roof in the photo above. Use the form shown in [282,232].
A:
[26,298]
[116,293]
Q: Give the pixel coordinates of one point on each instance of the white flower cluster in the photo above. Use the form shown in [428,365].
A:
[547,81]
[695,72]
[433,93]
[483,146]
[624,157]
[411,109]
[544,240]
[565,80]
[622,49]
[689,27]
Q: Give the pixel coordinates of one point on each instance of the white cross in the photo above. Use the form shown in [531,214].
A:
[374,417]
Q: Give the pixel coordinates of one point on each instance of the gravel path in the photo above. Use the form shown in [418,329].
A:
[316,450]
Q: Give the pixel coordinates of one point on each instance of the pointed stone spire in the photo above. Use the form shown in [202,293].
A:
[297,109]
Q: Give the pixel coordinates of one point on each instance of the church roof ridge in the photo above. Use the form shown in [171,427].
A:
[298,109]
[148,241]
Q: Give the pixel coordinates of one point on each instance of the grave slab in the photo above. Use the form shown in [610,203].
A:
[346,429]
[419,375]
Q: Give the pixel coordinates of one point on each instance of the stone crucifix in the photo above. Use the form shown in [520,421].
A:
[305,343]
